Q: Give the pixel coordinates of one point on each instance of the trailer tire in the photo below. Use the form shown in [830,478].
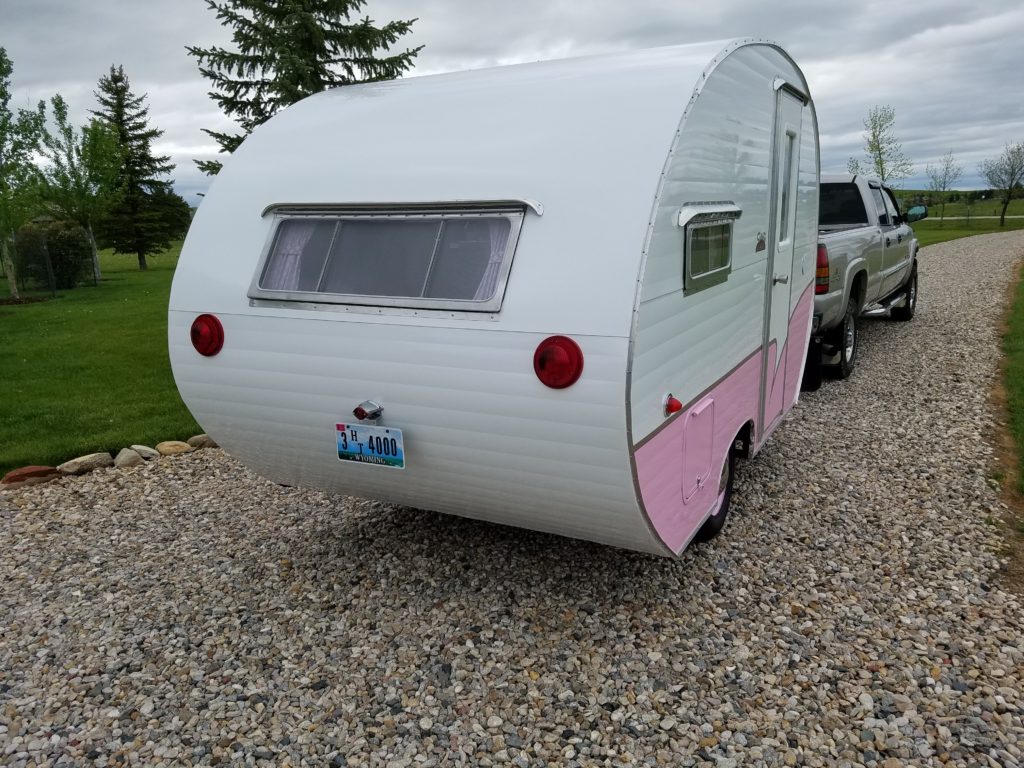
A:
[847,339]
[714,524]
[906,312]
[811,381]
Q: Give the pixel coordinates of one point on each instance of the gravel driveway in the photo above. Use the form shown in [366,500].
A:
[187,612]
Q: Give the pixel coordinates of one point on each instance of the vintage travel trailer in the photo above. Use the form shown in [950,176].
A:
[563,295]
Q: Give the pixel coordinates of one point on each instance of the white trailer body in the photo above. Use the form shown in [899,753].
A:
[412,244]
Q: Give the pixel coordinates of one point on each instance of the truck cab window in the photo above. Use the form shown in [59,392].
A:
[892,206]
[840,205]
[882,211]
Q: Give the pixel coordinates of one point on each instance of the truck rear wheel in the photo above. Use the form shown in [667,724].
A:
[846,340]
[714,524]
[906,312]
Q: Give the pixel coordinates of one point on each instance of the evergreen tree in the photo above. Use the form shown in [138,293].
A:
[133,225]
[19,140]
[290,49]
[171,213]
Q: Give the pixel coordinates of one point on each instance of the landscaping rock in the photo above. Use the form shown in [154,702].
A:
[127,457]
[86,463]
[31,475]
[146,452]
[172,447]
[29,472]
[202,441]
[197,613]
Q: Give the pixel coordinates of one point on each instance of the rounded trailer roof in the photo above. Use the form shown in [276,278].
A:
[539,131]
[587,139]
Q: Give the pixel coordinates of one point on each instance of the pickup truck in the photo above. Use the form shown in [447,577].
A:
[867,263]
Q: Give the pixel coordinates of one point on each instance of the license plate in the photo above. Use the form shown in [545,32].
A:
[371,445]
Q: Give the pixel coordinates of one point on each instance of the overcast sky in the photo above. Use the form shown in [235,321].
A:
[953,70]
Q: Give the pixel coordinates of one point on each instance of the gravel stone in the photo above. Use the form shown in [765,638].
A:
[126,457]
[188,612]
[172,447]
[202,441]
[87,463]
[146,452]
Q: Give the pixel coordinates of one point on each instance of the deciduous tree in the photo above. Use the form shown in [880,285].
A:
[1005,173]
[883,152]
[81,172]
[290,49]
[132,225]
[942,177]
[19,141]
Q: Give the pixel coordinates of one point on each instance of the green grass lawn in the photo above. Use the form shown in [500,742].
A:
[931,231]
[88,370]
[1013,385]
[990,207]
[1013,346]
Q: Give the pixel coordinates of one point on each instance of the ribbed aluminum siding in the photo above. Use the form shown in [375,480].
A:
[483,437]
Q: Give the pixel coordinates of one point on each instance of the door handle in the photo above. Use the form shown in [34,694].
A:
[888,241]
[899,238]
[780,280]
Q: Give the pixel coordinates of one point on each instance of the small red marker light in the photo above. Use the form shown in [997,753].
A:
[207,335]
[558,362]
[672,405]
[359,412]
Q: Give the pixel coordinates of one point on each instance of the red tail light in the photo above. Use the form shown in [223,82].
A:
[558,362]
[207,335]
[821,273]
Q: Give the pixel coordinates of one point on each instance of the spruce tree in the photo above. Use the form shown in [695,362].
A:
[290,49]
[134,224]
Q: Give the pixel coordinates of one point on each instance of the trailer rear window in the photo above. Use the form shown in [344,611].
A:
[841,205]
[447,259]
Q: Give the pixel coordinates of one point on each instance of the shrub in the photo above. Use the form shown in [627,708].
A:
[30,257]
[66,246]
[70,254]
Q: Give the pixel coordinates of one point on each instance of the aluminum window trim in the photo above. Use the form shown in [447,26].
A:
[341,213]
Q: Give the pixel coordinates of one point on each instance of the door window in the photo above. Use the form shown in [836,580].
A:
[891,206]
[883,212]
[787,187]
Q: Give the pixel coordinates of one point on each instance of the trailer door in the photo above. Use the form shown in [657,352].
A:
[786,164]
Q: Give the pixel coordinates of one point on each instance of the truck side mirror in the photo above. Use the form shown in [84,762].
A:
[917,213]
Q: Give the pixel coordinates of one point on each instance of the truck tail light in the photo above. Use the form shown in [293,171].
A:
[558,362]
[821,272]
[207,335]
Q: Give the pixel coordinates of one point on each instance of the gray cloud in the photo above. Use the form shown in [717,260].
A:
[952,71]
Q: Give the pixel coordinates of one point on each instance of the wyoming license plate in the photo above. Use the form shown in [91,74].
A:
[371,445]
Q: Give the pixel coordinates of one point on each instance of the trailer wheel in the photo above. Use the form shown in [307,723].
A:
[846,339]
[906,312]
[714,524]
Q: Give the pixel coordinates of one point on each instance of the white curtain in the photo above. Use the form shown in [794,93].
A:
[283,274]
[499,230]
